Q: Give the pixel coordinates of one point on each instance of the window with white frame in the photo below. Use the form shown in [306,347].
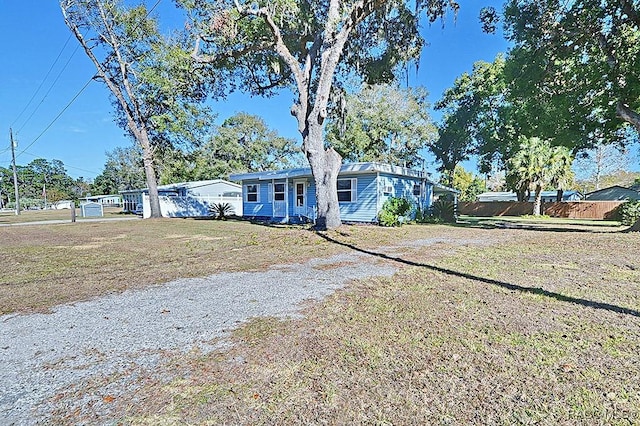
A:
[417,189]
[253,193]
[278,191]
[347,190]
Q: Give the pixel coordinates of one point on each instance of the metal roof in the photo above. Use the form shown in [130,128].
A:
[176,186]
[350,168]
[347,168]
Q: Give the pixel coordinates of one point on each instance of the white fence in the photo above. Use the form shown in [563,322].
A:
[191,206]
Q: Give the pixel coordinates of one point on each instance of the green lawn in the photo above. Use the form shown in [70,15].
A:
[9,217]
[480,325]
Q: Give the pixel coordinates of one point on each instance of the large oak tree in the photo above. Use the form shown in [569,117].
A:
[308,46]
[583,57]
[383,123]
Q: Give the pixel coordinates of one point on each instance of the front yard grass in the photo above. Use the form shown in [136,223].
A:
[479,326]
[509,327]
[46,265]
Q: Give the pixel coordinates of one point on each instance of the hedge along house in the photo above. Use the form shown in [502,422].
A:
[289,196]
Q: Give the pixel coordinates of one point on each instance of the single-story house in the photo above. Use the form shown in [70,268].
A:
[547,196]
[185,199]
[288,196]
[613,193]
[110,200]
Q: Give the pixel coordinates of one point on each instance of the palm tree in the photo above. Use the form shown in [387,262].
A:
[562,174]
[538,164]
[530,167]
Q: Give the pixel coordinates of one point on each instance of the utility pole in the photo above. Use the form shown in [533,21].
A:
[15,174]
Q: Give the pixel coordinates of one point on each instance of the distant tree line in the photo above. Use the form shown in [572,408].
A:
[38,180]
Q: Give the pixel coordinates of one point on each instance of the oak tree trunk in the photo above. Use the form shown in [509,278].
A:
[325,175]
[325,166]
[141,135]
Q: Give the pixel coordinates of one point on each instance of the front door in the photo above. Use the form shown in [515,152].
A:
[300,201]
[279,200]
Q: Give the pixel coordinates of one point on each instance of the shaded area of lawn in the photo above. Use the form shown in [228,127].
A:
[526,328]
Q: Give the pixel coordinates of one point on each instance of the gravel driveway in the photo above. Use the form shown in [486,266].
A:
[41,355]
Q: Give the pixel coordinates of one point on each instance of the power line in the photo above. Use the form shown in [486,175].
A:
[57,116]
[43,80]
[65,164]
[50,89]
[77,94]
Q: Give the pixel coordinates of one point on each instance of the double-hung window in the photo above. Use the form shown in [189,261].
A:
[253,193]
[278,191]
[347,190]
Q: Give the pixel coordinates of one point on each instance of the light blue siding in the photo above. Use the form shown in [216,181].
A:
[372,188]
[402,187]
[365,207]
[263,207]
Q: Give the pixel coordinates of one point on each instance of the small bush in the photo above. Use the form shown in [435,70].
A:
[444,210]
[425,217]
[221,210]
[630,212]
[393,211]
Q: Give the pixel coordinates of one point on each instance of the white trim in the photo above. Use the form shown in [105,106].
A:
[302,209]
[378,186]
[246,192]
[286,198]
[353,189]
[283,192]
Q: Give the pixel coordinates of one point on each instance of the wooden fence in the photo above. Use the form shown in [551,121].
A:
[607,210]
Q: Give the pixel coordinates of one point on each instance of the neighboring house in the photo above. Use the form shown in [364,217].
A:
[289,196]
[111,200]
[613,193]
[185,199]
[547,196]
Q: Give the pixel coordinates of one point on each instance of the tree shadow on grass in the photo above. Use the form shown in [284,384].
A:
[502,284]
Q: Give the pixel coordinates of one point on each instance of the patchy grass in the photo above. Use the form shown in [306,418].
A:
[52,264]
[486,327]
[539,220]
[479,326]
[46,265]
[9,217]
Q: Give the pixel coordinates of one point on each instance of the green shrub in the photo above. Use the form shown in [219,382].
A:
[393,211]
[220,210]
[444,209]
[630,212]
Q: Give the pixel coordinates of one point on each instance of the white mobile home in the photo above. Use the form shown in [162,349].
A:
[185,199]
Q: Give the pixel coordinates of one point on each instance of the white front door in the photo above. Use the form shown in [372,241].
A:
[300,198]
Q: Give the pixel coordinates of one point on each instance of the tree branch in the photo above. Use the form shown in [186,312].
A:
[628,115]
[235,54]
[631,12]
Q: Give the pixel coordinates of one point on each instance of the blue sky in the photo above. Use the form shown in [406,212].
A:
[44,69]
